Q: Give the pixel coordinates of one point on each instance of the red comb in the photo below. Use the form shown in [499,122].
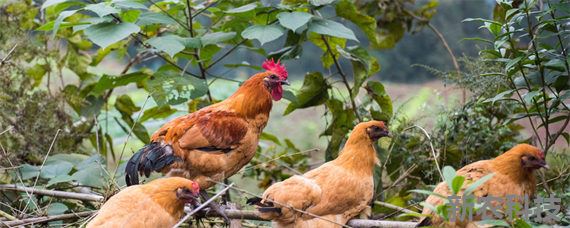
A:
[276,68]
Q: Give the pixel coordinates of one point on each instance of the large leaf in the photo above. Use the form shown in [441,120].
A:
[171,44]
[348,10]
[313,92]
[263,33]
[92,174]
[148,18]
[216,37]
[331,28]
[335,44]
[125,105]
[448,176]
[129,4]
[109,82]
[158,112]
[102,9]
[107,33]
[55,168]
[294,20]
[244,8]
[168,86]
[59,20]
[321,2]
[378,93]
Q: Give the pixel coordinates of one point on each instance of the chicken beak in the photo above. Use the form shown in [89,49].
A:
[545,166]
[386,133]
[285,82]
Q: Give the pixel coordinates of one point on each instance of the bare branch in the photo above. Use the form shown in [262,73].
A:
[44,219]
[7,57]
[53,193]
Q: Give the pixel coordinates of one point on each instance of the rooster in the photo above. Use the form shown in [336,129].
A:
[214,142]
[159,203]
[336,191]
[513,175]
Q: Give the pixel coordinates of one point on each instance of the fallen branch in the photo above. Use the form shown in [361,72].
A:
[394,207]
[44,219]
[253,215]
[53,193]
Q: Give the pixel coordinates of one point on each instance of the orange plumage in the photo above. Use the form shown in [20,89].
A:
[214,142]
[160,203]
[513,175]
[337,191]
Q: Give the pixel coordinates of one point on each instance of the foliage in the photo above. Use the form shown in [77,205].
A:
[191,40]
[531,47]
[31,118]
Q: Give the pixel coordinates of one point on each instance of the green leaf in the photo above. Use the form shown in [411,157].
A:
[334,43]
[56,209]
[347,9]
[269,137]
[59,179]
[148,18]
[128,4]
[72,158]
[130,15]
[37,72]
[321,2]
[125,105]
[312,93]
[171,44]
[263,33]
[92,174]
[59,19]
[378,93]
[158,112]
[294,20]
[331,28]
[448,176]
[49,26]
[477,183]
[457,183]
[49,3]
[56,168]
[29,171]
[109,82]
[107,33]
[520,223]
[216,37]
[244,8]
[168,86]
[429,193]
[102,9]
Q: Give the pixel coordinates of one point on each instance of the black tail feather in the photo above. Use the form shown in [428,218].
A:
[152,157]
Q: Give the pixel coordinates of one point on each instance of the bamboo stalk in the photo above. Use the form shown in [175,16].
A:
[53,193]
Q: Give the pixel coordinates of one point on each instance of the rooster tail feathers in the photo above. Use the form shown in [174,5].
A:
[152,157]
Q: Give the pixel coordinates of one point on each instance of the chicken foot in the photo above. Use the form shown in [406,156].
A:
[216,207]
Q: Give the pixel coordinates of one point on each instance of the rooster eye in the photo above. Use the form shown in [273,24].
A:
[273,76]
[532,158]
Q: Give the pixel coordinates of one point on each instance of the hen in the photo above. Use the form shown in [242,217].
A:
[336,191]
[214,142]
[159,203]
[513,175]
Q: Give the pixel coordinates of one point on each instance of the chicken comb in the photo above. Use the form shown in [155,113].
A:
[275,67]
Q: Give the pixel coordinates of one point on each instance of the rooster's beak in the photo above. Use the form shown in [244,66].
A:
[285,82]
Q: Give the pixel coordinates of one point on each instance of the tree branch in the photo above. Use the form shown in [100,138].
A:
[44,219]
[344,78]
[53,193]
